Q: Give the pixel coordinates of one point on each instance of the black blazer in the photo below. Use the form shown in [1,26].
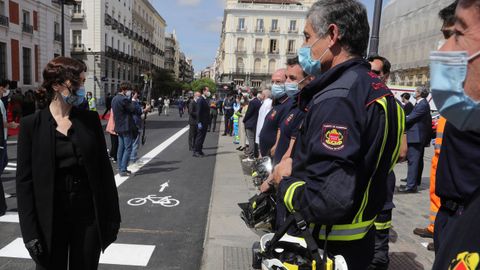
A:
[419,123]
[203,111]
[36,175]
[251,116]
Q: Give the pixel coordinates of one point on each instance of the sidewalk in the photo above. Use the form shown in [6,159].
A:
[228,240]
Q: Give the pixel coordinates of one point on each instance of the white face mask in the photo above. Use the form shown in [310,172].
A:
[7,92]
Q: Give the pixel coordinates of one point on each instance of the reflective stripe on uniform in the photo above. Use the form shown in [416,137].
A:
[288,199]
[383,225]
[346,232]
[400,130]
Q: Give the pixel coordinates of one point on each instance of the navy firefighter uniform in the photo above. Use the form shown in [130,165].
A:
[268,134]
[347,145]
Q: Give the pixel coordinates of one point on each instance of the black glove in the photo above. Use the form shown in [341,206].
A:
[36,250]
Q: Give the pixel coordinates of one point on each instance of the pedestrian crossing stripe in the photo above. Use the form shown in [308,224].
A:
[11,217]
[118,254]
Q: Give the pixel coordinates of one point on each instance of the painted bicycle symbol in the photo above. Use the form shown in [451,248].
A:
[166,201]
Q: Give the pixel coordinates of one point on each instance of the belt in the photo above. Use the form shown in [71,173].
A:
[452,206]
[227,108]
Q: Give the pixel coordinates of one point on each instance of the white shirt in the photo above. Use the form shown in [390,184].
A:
[4,116]
[262,113]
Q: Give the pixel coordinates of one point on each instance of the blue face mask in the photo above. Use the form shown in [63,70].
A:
[278,90]
[291,88]
[448,71]
[310,66]
[75,99]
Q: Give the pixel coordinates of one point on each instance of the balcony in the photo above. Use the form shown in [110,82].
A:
[78,15]
[114,24]
[121,28]
[259,30]
[27,28]
[3,21]
[57,37]
[241,29]
[273,52]
[241,50]
[291,53]
[108,19]
[109,51]
[259,51]
[294,30]
[274,30]
[78,48]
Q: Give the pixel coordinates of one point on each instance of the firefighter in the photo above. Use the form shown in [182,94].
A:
[349,139]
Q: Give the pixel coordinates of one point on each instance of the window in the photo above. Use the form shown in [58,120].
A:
[274,25]
[3,60]
[56,28]
[77,38]
[291,46]
[293,26]
[27,66]
[77,8]
[107,65]
[240,65]
[273,46]
[257,66]
[241,24]
[2,9]
[113,41]
[271,65]
[26,17]
[258,45]
[240,44]
[259,25]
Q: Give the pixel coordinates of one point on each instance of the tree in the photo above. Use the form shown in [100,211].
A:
[164,83]
[198,85]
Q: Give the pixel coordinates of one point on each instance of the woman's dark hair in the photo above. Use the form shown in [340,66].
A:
[60,70]
[4,83]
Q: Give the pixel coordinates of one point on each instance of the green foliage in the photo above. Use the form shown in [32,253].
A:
[164,83]
[198,85]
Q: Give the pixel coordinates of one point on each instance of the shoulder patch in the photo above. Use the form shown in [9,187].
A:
[273,114]
[465,261]
[289,119]
[334,137]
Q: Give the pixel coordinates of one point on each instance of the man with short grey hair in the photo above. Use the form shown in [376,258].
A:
[349,139]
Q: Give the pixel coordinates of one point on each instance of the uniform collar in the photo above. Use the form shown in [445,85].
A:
[327,78]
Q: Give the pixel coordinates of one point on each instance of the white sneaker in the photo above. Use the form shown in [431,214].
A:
[247,160]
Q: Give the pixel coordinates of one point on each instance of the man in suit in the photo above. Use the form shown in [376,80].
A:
[419,125]
[250,121]
[203,117]
[407,105]
[192,120]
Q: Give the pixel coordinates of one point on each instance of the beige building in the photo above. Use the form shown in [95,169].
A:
[409,30]
[172,54]
[257,38]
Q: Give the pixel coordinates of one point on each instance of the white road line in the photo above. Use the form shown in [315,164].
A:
[10,217]
[12,164]
[119,254]
[151,155]
[13,216]
[11,142]
[10,169]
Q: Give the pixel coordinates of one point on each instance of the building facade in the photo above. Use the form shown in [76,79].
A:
[172,54]
[30,36]
[409,30]
[257,38]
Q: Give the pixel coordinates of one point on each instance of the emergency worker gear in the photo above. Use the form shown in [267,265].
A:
[448,71]
[259,212]
[347,145]
[434,199]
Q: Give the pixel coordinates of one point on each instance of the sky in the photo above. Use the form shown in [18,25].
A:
[198,23]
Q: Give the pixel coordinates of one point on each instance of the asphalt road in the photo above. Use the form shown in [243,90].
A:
[165,233]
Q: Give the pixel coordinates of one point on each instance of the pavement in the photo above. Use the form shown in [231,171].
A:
[228,241]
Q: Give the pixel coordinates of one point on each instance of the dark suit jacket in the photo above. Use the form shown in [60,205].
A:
[36,175]
[408,108]
[251,116]
[419,123]
[192,112]
[203,111]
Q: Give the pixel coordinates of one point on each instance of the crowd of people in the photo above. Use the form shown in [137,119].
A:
[334,132]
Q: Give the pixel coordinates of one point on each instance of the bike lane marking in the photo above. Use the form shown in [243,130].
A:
[151,155]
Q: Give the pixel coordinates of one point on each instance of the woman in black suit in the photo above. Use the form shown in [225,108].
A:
[67,197]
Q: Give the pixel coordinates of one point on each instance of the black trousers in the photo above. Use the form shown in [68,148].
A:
[192,133]
[443,223]
[228,121]
[114,146]
[3,202]
[75,246]
[3,164]
[380,258]
[200,138]
[213,122]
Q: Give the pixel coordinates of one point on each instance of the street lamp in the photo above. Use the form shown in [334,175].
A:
[377,14]
[95,58]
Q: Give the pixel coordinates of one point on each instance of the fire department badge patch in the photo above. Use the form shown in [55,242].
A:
[334,137]
[465,261]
